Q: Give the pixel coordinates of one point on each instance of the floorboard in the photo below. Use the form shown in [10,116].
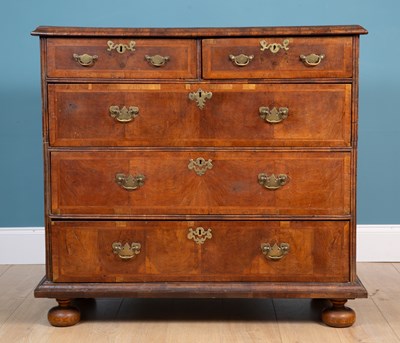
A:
[383,280]
[299,321]
[16,283]
[3,268]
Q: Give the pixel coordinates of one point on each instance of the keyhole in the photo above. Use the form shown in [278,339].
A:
[200,94]
[120,48]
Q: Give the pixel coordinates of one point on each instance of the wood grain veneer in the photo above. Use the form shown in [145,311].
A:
[81,251]
[112,64]
[282,64]
[319,115]
[83,182]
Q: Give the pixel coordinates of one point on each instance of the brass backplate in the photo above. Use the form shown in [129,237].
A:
[275,251]
[271,181]
[124,114]
[274,115]
[241,60]
[129,182]
[157,60]
[312,60]
[126,251]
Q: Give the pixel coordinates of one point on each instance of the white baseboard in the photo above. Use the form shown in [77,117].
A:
[22,245]
[378,243]
[375,243]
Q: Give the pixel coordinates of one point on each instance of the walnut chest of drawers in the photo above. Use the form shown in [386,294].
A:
[200,163]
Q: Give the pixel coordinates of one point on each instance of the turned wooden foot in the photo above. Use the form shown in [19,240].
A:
[338,315]
[64,314]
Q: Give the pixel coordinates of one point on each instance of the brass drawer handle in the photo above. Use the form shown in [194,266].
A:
[157,60]
[124,115]
[312,60]
[129,182]
[200,97]
[275,252]
[241,60]
[85,60]
[272,182]
[121,48]
[274,115]
[126,251]
[199,235]
[274,47]
[200,165]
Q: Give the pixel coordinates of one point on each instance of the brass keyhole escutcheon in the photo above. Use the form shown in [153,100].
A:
[200,165]
[200,97]
[199,235]
[274,47]
[121,48]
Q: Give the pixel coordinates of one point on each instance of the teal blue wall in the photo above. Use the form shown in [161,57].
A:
[21,184]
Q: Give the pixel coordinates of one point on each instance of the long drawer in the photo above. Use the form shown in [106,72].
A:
[164,115]
[116,58]
[200,251]
[200,182]
[278,57]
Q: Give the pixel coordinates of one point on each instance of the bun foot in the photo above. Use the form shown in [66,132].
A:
[338,315]
[64,314]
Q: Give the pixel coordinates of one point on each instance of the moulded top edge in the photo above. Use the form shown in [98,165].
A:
[57,31]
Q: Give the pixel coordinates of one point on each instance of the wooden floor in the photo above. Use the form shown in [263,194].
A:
[23,318]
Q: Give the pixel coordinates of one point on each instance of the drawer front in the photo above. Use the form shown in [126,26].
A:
[314,251]
[235,115]
[232,182]
[281,57]
[121,59]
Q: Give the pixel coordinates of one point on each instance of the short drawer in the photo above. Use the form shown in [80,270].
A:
[116,183]
[316,251]
[234,115]
[277,57]
[121,58]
